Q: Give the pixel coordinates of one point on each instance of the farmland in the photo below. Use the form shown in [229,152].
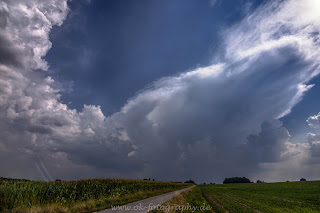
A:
[255,197]
[76,196]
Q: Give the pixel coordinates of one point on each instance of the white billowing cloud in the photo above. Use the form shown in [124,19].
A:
[34,123]
[314,121]
[205,124]
[314,138]
[27,25]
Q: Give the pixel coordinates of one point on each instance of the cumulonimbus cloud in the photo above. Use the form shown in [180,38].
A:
[204,124]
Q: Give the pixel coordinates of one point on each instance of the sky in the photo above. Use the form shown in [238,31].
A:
[170,90]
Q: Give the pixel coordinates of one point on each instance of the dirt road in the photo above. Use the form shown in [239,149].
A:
[145,205]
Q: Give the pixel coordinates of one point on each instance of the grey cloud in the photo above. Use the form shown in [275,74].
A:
[101,156]
[315,149]
[39,129]
[8,55]
[268,145]
[55,121]
[3,17]
[314,138]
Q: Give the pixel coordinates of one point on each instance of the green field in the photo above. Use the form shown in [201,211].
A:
[76,196]
[255,197]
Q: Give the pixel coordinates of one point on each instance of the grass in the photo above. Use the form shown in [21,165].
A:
[253,197]
[76,196]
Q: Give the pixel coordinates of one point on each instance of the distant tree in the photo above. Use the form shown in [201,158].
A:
[303,179]
[145,179]
[153,180]
[236,180]
[259,181]
[58,180]
[190,181]
[287,181]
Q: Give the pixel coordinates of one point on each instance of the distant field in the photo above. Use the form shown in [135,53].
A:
[76,196]
[255,197]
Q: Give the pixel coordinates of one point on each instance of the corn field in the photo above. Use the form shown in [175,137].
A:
[25,193]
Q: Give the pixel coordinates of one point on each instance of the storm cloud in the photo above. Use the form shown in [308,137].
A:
[204,124]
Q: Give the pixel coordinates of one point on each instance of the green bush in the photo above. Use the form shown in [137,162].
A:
[236,180]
